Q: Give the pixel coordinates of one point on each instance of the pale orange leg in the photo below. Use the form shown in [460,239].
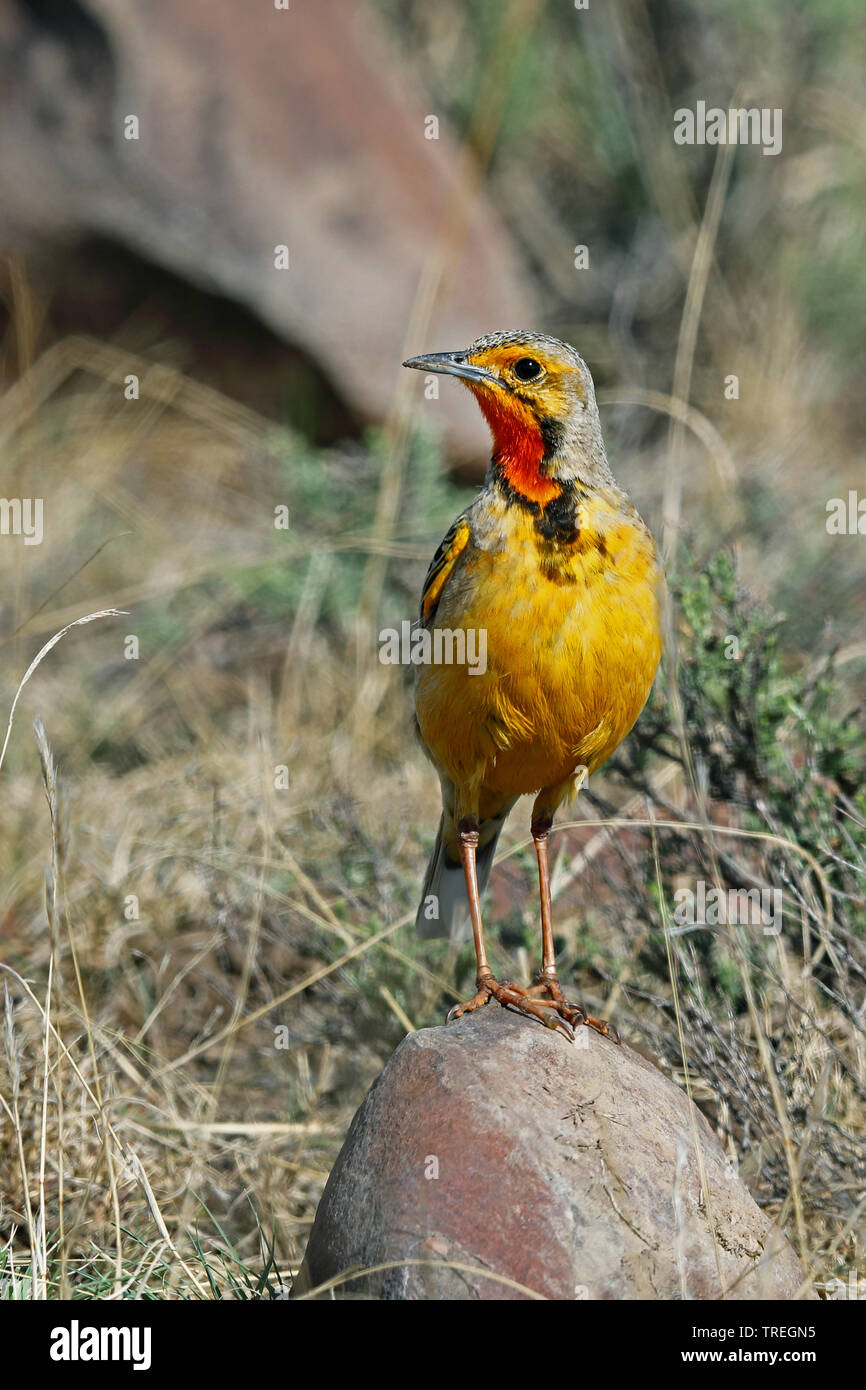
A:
[488,987]
[548,980]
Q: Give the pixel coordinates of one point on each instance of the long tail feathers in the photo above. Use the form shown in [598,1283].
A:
[444,909]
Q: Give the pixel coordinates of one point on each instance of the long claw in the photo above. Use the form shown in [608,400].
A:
[574,1014]
[556,1012]
[549,1012]
[561,1025]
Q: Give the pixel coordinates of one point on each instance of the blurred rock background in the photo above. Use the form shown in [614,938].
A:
[195,891]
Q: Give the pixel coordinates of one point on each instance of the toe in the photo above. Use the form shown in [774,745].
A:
[469,1005]
[606,1029]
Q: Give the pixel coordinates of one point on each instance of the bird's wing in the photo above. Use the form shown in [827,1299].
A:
[442,566]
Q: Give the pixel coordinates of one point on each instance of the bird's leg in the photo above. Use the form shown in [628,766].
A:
[467,840]
[548,979]
[487,986]
[540,832]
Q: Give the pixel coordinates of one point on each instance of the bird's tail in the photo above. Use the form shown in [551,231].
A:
[444,909]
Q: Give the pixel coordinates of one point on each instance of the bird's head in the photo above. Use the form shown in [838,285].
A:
[537,396]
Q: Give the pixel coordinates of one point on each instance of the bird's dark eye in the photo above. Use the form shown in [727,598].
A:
[527,369]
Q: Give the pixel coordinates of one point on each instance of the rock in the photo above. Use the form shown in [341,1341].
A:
[257,128]
[541,1167]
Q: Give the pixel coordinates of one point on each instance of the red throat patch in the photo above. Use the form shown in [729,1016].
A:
[518,445]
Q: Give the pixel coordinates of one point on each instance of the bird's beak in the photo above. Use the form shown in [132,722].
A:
[451,364]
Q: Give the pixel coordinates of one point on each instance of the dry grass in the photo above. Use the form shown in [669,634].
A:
[166,909]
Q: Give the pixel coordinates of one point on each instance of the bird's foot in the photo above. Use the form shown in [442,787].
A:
[574,1014]
[510,995]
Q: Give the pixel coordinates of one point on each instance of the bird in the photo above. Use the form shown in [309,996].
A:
[551,571]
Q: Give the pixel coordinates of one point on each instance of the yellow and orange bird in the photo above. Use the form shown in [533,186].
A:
[552,562]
